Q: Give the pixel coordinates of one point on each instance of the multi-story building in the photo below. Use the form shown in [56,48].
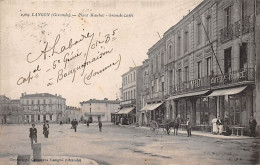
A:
[95,110]
[131,102]
[191,45]
[43,106]
[72,113]
[144,115]
[204,66]
[257,75]
[10,111]
[233,81]
[155,108]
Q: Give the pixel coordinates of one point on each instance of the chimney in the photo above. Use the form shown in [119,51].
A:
[105,98]
[22,94]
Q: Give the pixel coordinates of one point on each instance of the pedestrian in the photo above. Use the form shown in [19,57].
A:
[75,124]
[188,127]
[176,124]
[46,129]
[33,135]
[214,126]
[87,123]
[100,125]
[220,125]
[226,122]
[252,126]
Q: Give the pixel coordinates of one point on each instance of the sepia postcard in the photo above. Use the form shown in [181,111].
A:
[127,82]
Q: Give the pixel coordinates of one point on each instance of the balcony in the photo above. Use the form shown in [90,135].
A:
[193,85]
[128,102]
[242,26]
[156,96]
[226,33]
[242,75]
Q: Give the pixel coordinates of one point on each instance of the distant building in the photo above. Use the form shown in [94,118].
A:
[72,113]
[10,111]
[99,109]
[42,106]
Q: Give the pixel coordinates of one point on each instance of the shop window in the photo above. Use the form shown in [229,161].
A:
[227,60]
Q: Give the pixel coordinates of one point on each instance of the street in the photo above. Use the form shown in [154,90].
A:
[123,145]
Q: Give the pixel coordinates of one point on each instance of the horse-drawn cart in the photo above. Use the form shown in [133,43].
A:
[155,126]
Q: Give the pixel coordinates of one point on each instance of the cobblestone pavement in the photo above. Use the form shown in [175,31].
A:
[125,145]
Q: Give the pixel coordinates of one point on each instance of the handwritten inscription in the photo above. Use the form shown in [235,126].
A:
[72,59]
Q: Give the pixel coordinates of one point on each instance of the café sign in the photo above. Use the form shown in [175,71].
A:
[190,85]
[228,78]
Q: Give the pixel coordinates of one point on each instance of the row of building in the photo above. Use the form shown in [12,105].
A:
[203,67]
[40,107]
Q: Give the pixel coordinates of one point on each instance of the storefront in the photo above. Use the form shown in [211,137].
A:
[235,104]
[153,111]
[125,116]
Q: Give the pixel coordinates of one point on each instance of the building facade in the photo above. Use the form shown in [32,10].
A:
[72,113]
[204,66]
[40,107]
[10,111]
[95,110]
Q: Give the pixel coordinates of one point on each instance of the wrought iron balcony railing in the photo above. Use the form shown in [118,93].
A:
[226,33]
[242,26]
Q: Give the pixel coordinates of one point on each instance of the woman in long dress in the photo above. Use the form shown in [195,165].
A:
[214,125]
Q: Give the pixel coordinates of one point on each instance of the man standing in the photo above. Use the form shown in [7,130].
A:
[177,123]
[75,124]
[188,127]
[100,125]
[33,134]
[252,126]
[46,129]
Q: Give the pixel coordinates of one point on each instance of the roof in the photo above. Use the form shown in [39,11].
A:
[41,95]
[100,101]
[72,108]
[131,69]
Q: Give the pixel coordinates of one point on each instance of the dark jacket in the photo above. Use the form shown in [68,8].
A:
[252,123]
[100,124]
[33,131]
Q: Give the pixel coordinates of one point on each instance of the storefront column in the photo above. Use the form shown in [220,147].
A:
[174,112]
[193,111]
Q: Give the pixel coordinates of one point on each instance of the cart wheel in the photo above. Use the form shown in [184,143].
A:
[154,127]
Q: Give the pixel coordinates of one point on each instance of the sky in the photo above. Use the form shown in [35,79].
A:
[49,42]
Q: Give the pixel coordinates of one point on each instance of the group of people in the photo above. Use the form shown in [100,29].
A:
[33,132]
[217,126]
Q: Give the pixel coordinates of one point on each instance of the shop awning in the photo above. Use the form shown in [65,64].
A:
[151,106]
[125,110]
[229,91]
[188,94]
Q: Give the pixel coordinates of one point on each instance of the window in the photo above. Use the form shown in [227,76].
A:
[228,16]
[227,60]
[27,102]
[186,74]
[32,101]
[50,101]
[151,65]
[134,76]
[125,95]
[209,66]
[179,46]
[156,63]
[162,87]
[44,101]
[179,76]
[152,86]
[208,28]
[157,85]
[39,117]
[51,117]
[90,110]
[131,77]
[199,70]
[186,41]
[170,51]
[243,56]
[199,33]
[131,95]
[134,94]
[44,108]
[162,60]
